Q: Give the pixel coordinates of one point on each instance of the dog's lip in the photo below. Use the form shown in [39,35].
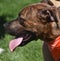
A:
[26,36]
[18,41]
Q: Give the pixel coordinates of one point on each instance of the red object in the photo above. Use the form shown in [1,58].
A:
[54,47]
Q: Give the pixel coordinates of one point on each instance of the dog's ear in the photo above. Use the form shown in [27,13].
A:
[47,15]
[48,2]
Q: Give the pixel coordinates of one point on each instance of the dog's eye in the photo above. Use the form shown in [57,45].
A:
[47,15]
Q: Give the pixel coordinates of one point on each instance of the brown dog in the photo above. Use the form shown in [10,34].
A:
[38,20]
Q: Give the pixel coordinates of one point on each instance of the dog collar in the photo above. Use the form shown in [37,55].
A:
[54,47]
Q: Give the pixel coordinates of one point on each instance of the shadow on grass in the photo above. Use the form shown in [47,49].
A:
[3,19]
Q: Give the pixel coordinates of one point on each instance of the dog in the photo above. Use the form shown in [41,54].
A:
[36,21]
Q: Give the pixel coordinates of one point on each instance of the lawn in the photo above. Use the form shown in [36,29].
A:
[32,51]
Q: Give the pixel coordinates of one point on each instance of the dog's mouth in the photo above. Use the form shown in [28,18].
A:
[21,40]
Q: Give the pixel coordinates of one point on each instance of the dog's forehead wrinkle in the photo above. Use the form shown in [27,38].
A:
[32,9]
[25,11]
[30,14]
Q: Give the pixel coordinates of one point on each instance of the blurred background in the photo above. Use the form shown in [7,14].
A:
[9,10]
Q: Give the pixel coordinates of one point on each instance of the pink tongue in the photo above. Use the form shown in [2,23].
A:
[14,43]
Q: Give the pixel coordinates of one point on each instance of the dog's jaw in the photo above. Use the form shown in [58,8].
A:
[21,40]
[39,24]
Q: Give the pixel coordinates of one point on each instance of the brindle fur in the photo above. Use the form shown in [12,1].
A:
[48,56]
[40,19]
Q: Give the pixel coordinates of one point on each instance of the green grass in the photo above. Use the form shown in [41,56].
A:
[32,51]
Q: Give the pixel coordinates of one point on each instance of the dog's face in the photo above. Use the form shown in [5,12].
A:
[39,19]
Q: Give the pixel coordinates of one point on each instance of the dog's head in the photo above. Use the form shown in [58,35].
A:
[35,21]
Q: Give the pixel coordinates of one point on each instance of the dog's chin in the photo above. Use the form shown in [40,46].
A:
[21,40]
